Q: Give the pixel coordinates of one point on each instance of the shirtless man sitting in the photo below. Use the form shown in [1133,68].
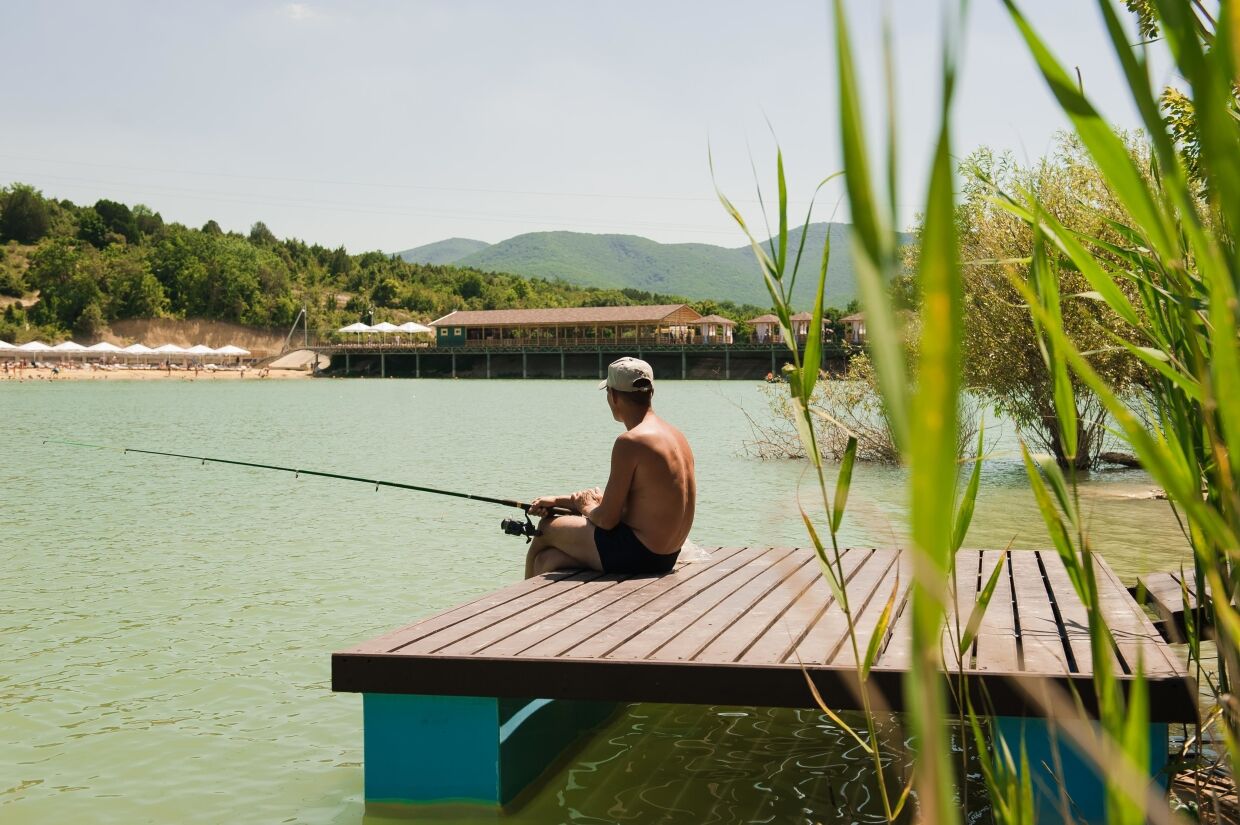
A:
[638,524]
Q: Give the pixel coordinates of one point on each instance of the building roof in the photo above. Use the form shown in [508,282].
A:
[802,316]
[568,315]
[716,319]
[856,316]
[764,319]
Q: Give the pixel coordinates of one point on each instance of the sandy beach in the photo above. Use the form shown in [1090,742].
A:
[70,374]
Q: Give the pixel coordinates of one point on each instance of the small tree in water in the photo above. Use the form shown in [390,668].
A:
[1003,363]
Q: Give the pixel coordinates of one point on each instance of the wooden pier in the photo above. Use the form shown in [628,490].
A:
[746,627]
[740,361]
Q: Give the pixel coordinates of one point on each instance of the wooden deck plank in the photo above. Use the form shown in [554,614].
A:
[648,639]
[996,648]
[532,616]
[1072,611]
[1163,593]
[671,600]
[971,576]
[531,600]
[774,608]
[1133,631]
[895,579]
[570,627]
[1041,642]
[694,637]
[778,641]
[402,636]
[830,629]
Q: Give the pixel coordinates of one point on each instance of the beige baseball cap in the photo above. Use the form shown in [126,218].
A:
[623,375]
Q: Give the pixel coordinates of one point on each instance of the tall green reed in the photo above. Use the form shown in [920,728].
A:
[1183,263]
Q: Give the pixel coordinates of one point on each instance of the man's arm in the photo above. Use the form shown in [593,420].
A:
[607,512]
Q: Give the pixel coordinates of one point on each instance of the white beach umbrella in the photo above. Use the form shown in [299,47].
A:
[138,349]
[6,345]
[359,328]
[104,347]
[169,349]
[413,327]
[34,346]
[200,349]
[384,326]
[230,349]
[68,348]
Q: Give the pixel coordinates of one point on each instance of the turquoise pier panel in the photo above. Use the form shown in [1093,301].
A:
[1084,786]
[479,749]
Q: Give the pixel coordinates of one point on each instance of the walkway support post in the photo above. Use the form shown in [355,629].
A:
[346,363]
[684,368]
[727,364]
[525,373]
[421,749]
[1048,745]
[561,364]
[417,365]
[383,365]
[488,363]
[454,365]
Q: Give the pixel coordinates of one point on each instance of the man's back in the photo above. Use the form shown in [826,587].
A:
[663,492]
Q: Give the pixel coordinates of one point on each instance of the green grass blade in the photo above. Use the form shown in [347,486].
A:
[1107,150]
[813,341]
[873,246]
[964,512]
[979,607]
[842,483]
[880,631]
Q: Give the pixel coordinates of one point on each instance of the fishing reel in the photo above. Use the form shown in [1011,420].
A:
[515,527]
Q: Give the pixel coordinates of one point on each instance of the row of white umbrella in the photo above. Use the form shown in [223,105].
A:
[384,326]
[105,348]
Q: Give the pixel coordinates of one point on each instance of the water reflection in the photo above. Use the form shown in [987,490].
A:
[703,765]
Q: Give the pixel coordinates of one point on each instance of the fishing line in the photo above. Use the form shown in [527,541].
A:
[509,526]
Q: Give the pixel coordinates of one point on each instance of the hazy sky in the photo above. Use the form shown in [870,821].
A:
[385,125]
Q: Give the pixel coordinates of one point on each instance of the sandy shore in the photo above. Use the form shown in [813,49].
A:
[43,374]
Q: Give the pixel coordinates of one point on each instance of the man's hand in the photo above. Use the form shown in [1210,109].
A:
[583,501]
[542,505]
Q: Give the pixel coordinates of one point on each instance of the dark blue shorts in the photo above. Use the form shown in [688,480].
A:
[622,552]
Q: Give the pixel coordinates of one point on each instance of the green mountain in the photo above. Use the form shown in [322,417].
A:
[692,270]
[442,252]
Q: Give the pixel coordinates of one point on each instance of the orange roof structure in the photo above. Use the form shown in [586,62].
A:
[570,316]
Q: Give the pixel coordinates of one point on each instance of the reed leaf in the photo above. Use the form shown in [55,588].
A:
[880,630]
[1105,147]
[964,510]
[873,246]
[843,482]
[979,607]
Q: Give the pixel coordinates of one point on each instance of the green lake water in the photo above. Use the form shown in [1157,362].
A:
[167,627]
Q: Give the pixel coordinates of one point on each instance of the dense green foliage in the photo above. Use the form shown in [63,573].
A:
[628,261]
[78,268]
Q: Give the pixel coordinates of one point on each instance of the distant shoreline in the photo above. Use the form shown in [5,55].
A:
[45,374]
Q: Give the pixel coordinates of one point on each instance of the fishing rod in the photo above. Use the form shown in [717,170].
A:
[512,527]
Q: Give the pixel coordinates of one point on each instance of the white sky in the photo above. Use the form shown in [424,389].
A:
[386,125]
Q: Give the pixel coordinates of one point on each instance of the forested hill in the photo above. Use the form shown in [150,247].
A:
[619,261]
[69,268]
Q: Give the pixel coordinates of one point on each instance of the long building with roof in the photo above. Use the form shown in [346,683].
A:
[574,326]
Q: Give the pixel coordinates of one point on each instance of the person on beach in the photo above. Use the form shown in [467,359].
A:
[639,522]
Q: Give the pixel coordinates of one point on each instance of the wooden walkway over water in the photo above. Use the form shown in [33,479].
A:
[744,628]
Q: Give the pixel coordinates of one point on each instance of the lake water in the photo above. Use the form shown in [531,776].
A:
[168,626]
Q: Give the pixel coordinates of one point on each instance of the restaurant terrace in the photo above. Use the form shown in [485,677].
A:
[570,326]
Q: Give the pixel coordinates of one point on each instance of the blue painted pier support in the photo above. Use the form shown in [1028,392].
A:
[425,749]
[1050,750]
